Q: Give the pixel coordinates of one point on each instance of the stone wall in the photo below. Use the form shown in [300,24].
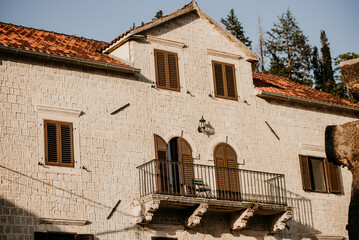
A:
[112,146]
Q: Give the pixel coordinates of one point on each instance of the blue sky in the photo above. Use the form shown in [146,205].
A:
[106,19]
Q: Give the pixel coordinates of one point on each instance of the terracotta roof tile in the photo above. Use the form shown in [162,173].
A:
[54,43]
[284,86]
[154,20]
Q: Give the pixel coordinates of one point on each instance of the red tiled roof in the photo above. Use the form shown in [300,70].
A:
[284,86]
[154,20]
[54,43]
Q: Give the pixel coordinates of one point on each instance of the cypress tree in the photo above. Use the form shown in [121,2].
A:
[234,26]
[317,69]
[289,51]
[328,83]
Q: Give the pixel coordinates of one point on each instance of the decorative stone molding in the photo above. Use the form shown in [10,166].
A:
[56,221]
[58,111]
[147,212]
[223,54]
[240,221]
[329,237]
[281,222]
[196,216]
[165,42]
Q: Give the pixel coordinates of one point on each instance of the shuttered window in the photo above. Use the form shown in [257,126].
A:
[319,175]
[227,177]
[58,143]
[224,80]
[167,76]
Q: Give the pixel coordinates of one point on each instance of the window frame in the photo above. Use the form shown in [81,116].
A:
[308,179]
[59,143]
[167,70]
[225,82]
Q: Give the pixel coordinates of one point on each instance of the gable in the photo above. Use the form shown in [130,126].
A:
[190,9]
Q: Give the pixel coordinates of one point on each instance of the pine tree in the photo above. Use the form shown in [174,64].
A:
[289,51]
[234,26]
[328,83]
[158,15]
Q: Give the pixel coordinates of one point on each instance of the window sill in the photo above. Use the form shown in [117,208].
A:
[59,169]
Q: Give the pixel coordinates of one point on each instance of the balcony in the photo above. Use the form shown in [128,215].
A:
[180,185]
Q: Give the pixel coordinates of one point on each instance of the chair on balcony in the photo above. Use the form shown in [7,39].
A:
[201,188]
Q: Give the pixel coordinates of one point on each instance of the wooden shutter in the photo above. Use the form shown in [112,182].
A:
[224,80]
[161,164]
[58,143]
[304,167]
[218,79]
[220,169]
[167,75]
[333,177]
[51,143]
[160,69]
[67,158]
[231,82]
[84,237]
[233,177]
[186,164]
[173,71]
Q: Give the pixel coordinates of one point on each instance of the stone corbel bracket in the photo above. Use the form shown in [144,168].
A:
[240,221]
[196,216]
[281,221]
[148,209]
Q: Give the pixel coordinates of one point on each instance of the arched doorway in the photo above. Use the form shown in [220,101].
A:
[227,175]
[174,166]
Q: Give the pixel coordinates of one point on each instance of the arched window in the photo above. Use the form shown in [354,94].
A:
[174,166]
[227,175]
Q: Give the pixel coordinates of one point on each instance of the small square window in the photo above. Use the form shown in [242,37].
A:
[58,143]
[319,175]
[167,76]
[224,80]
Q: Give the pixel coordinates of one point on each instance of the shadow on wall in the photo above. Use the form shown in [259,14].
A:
[302,222]
[18,223]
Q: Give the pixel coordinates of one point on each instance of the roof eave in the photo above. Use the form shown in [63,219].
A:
[251,56]
[265,94]
[77,61]
[121,41]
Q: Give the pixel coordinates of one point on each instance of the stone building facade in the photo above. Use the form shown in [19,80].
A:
[115,113]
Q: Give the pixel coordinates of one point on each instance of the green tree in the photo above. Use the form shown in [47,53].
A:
[340,89]
[158,15]
[328,83]
[234,26]
[289,51]
[317,68]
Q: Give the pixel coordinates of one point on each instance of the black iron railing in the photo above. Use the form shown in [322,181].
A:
[196,180]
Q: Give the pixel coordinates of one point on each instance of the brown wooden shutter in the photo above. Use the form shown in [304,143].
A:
[231,82]
[67,158]
[333,177]
[161,164]
[173,71]
[84,237]
[218,79]
[58,143]
[233,177]
[51,143]
[160,62]
[220,169]
[185,159]
[304,167]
